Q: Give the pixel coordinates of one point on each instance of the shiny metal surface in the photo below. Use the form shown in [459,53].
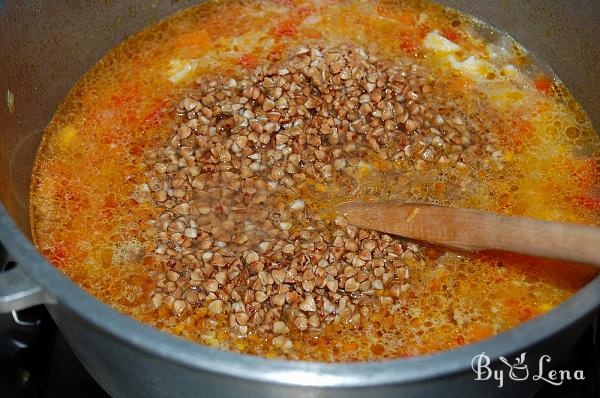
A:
[18,291]
[46,47]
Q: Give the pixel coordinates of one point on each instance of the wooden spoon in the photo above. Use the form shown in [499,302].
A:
[474,230]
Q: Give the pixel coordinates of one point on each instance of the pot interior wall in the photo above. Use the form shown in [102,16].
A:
[46,49]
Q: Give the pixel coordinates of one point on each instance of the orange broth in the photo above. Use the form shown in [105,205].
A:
[87,223]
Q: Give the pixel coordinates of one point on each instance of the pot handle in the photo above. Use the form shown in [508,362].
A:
[18,291]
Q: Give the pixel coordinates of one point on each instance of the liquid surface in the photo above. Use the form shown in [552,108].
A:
[521,146]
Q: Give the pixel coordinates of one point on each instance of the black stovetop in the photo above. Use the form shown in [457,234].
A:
[36,362]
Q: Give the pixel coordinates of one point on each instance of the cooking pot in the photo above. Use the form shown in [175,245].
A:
[46,46]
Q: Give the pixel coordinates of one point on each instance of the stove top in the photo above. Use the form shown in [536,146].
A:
[37,362]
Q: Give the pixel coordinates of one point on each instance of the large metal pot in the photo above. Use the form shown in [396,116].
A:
[46,46]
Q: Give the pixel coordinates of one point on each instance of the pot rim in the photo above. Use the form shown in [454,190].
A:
[299,373]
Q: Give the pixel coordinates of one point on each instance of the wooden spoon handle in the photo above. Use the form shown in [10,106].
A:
[475,230]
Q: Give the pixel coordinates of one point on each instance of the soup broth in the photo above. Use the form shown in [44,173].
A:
[190,178]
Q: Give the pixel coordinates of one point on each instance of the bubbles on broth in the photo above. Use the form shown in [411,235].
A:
[90,163]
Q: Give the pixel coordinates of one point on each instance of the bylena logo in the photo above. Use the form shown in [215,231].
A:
[519,370]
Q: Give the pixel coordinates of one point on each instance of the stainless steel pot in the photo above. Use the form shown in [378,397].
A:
[46,46]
